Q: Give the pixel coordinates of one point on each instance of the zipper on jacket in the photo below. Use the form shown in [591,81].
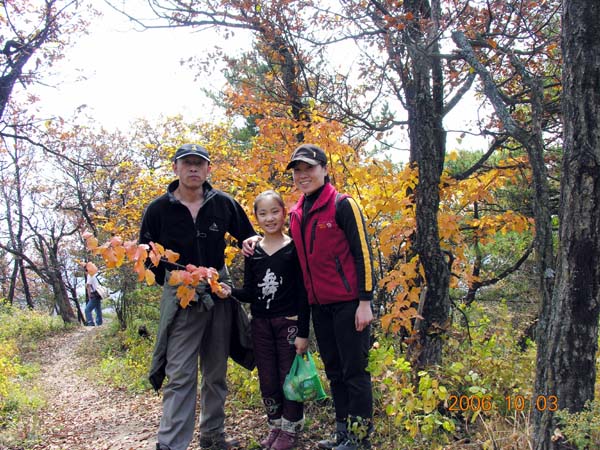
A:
[201,261]
[313,232]
[340,270]
[307,265]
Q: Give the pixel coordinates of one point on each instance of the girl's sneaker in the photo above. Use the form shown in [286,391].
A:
[285,441]
[270,439]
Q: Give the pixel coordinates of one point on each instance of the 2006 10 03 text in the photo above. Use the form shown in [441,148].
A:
[510,403]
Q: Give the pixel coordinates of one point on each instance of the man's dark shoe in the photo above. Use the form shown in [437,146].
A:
[162,446]
[218,442]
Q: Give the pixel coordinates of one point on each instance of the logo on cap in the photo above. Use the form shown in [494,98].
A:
[191,149]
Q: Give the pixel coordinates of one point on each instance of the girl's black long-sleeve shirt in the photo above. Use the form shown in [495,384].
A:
[274,287]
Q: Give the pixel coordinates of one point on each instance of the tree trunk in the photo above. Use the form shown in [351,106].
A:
[12,287]
[25,283]
[567,349]
[62,295]
[475,285]
[424,98]
[61,299]
[49,254]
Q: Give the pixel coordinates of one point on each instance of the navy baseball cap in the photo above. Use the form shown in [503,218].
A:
[308,153]
[191,150]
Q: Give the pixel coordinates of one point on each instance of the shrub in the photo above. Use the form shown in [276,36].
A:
[465,397]
[27,327]
[484,359]
[582,429]
[124,358]
[243,386]
[409,405]
[20,330]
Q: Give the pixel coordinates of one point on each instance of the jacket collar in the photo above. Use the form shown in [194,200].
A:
[206,187]
[327,192]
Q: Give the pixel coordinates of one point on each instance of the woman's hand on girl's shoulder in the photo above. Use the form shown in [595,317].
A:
[249,244]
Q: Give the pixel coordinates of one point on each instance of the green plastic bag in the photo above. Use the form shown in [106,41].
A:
[302,383]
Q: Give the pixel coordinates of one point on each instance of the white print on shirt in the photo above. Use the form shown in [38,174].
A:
[269,286]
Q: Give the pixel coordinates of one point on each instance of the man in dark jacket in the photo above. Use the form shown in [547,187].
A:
[191,218]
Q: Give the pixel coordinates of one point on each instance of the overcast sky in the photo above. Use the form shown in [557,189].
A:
[131,74]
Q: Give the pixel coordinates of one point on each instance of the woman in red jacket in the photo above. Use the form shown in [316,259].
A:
[335,257]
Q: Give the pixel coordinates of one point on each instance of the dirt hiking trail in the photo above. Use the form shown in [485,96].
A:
[82,414]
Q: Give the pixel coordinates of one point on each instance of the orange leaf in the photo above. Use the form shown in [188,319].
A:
[116,241]
[157,248]
[386,321]
[171,256]
[213,281]
[106,253]
[150,278]
[119,255]
[141,253]
[413,295]
[185,295]
[131,249]
[154,257]
[176,278]
[198,273]
[92,243]
[140,268]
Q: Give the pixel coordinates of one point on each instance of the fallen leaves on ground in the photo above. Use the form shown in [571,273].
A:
[82,414]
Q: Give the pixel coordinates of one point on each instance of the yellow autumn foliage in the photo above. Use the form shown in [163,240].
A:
[383,189]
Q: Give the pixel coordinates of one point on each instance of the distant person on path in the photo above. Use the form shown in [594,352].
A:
[191,218]
[94,299]
[280,318]
[330,236]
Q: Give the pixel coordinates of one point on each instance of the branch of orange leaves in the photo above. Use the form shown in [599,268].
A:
[116,252]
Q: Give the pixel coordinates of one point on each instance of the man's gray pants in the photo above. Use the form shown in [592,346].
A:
[196,333]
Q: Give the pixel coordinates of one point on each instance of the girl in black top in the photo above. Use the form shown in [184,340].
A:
[280,318]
